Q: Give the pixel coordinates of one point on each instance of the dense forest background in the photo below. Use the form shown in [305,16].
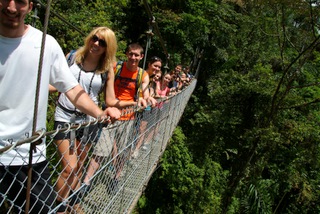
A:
[248,141]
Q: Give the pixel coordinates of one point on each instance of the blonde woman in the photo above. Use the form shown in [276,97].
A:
[92,65]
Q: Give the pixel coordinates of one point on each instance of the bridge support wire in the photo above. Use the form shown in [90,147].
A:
[109,159]
[154,25]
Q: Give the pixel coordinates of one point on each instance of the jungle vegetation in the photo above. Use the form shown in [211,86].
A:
[248,141]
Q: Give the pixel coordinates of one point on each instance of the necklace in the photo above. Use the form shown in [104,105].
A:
[93,74]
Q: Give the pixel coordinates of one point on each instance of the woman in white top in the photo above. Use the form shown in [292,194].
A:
[92,65]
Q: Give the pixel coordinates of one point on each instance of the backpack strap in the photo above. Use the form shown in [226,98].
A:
[104,77]
[71,57]
[118,69]
[139,77]
[139,83]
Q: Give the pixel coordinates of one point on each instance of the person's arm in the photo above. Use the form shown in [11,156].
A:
[144,87]
[151,91]
[113,112]
[81,100]
[168,91]
[179,85]
[157,88]
[152,101]
[52,89]
[145,92]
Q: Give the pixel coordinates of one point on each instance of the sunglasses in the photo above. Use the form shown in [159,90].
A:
[102,43]
[155,59]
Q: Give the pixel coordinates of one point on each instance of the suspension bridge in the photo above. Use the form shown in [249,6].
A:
[136,171]
[152,127]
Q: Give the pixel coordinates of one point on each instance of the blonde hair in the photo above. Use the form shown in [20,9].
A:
[108,58]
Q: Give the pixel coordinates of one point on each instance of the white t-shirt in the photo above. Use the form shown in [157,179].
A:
[91,82]
[19,61]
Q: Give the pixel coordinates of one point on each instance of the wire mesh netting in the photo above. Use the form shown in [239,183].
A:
[103,171]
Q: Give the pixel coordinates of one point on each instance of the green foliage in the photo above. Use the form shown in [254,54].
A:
[258,198]
[185,187]
[94,13]
[261,105]
[249,141]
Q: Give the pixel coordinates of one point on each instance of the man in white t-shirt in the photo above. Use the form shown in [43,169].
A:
[20,46]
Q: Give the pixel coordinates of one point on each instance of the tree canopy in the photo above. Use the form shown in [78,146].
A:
[249,139]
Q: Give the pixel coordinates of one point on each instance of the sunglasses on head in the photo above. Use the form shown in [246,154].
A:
[102,43]
[155,59]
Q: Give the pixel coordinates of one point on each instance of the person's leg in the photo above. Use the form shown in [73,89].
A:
[68,161]
[82,154]
[92,168]
[124,144]
[116,158]
[103,149]
[13,184]
[153,122]
[158,119]
[67,178]
[142,128]
[119,146]
[43,195]
[92,135]
[86,137]
[12,189]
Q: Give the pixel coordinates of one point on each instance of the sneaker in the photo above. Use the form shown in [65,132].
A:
[132,165]
[144,148]
[135,154]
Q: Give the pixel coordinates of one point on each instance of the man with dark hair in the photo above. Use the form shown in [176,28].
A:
[128,89]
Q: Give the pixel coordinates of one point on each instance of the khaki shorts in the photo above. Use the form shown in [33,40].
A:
[120,132]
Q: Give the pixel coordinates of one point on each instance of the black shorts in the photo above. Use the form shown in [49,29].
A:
[84,134]
[13,186]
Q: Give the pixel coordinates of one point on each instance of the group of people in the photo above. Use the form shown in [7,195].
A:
[80,78]
[166,84]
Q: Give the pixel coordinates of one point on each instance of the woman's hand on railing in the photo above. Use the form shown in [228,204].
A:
[142,103]
[151,101]
[113,113]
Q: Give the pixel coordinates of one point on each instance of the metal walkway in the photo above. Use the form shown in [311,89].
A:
[154,129]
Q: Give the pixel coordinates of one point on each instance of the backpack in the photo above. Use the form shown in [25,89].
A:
[138,79]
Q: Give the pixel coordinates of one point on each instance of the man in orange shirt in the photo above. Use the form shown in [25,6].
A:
[128,89]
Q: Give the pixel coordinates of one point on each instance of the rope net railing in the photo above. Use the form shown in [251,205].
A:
[117,166]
